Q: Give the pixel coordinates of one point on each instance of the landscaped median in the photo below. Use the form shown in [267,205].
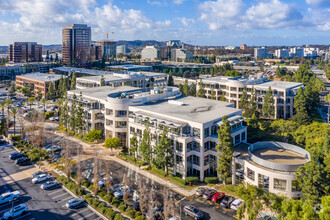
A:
[105,203]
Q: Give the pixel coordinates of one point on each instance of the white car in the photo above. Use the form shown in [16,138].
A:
[9,196]
[120,192]
[236,204]
[16,211]
[40,178]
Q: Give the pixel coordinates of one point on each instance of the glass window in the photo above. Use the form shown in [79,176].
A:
[121,124]
[109,111]
[193,146]
[132,130]
[295,186]
[250,174]
[206,132]
[279,184]
[196,132]
[121,113]
[214,130]
[237,139]
[243,136]
[179,146]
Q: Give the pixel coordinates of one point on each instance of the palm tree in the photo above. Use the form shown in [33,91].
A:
[14,112]
[59,103]
[30,101]
[3,105]
[44,103]
[327,99]
[8,104]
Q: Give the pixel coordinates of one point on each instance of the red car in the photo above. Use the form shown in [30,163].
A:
[218,197]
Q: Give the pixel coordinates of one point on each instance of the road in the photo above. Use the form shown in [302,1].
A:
[42,204]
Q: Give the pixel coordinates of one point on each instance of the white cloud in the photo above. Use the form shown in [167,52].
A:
[157,3]
[321,18]
[178,2]
[44,18]
[273,14]
[221,13]
[318,3]
[187,21]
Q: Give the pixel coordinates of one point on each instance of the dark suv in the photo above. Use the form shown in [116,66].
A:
[16,156]
[23,161]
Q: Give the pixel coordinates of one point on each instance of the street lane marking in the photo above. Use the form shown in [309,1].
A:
[60,195]
[77,213]
[86,216]
[55,192]
[66,199]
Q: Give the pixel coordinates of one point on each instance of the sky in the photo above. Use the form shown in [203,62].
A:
[197,22]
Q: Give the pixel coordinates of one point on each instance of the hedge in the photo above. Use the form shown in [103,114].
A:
[122,207]
[178,179]
[192,179]
[211,180]
[140,217]
[119,217]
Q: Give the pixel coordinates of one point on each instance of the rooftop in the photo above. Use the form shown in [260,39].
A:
[130,67]
[101,93]
[44,77]
[193,109]
[82,70]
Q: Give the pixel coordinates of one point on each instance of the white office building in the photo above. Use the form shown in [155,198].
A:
[122,49]
[282,53]
[296,52]
[181,55]
[271,166]
[232,88]
[260,53]
[150,53]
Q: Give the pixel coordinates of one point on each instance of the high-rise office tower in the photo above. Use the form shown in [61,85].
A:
[76,44]
[21,52]
[108,48]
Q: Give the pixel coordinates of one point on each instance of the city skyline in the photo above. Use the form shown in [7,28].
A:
[212,23]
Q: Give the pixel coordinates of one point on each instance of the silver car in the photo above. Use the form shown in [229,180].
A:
[193,212]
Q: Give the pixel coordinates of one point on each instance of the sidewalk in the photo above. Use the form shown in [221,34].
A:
[105,153]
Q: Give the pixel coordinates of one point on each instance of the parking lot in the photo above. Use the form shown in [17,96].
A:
[42,204]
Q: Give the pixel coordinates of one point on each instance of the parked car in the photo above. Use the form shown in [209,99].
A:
[114,188]
[193,212]
[120,192]
[209,193]
[9,197]
[236,204]
[50,185]
[74,203]
[23,161]
[40,178]
[227,201]
[200,191]
[263,216]
[38,173]
[15,156]
[53,148]
[16,211]
[218,197]
[3,142]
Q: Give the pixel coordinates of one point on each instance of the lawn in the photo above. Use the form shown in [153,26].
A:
[229,190]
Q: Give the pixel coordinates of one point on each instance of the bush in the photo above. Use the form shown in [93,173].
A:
[108,198]
[88,195]
[130,213]
[16,138]
[86,183]
[140,217]
[62,179]
[110,213]
[119,217]
[137,214]
[49,114]
[91,188]
[95,202]
[211,180]
[178,179]
[101,193]
[102,209]
[93,135]
[115,202]
[192,179]
[89,201]
[158,171]
[122,207]
[101,205]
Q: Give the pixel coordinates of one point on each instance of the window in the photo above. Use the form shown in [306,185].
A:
[233,89]
[279,184]
[295,186]
[206,132]
[139,132]
[243,136]
[121,113]
[214,130]
[193,159]
[132,130]
[209,145]
[250,174]
[281,93]
[193,146]
[186,130]
[109,122]
[121,124]
[196,132]
[109,111]
[179,146]
[237,139]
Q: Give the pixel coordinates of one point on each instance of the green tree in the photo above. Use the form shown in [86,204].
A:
[73,81]
[225,150]
[50,93]
[73,111]
[112,143]
[12,91]
[268,107]
[102,81]
[80,119]
[185,89]
[164,152]
[312,99]
[327,99]
[8,105]
[145,145]
[192,89]
[170,79]
[93,135]
[3,105]
[325,211]
[14,112]
[253,106]
[201,91]
[134,144]
[43,101]
[213,94]
[244,102]
[300,103]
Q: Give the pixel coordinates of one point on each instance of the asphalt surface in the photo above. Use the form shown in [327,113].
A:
[42,204]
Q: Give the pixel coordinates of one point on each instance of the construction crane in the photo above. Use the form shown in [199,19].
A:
[107,33]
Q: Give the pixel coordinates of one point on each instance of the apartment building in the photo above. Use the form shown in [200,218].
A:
[38,81]
[260,53]
[296,52]
[192,123]
[282,53]
[271,166]
[232,88]
[25,52]
[127,78]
